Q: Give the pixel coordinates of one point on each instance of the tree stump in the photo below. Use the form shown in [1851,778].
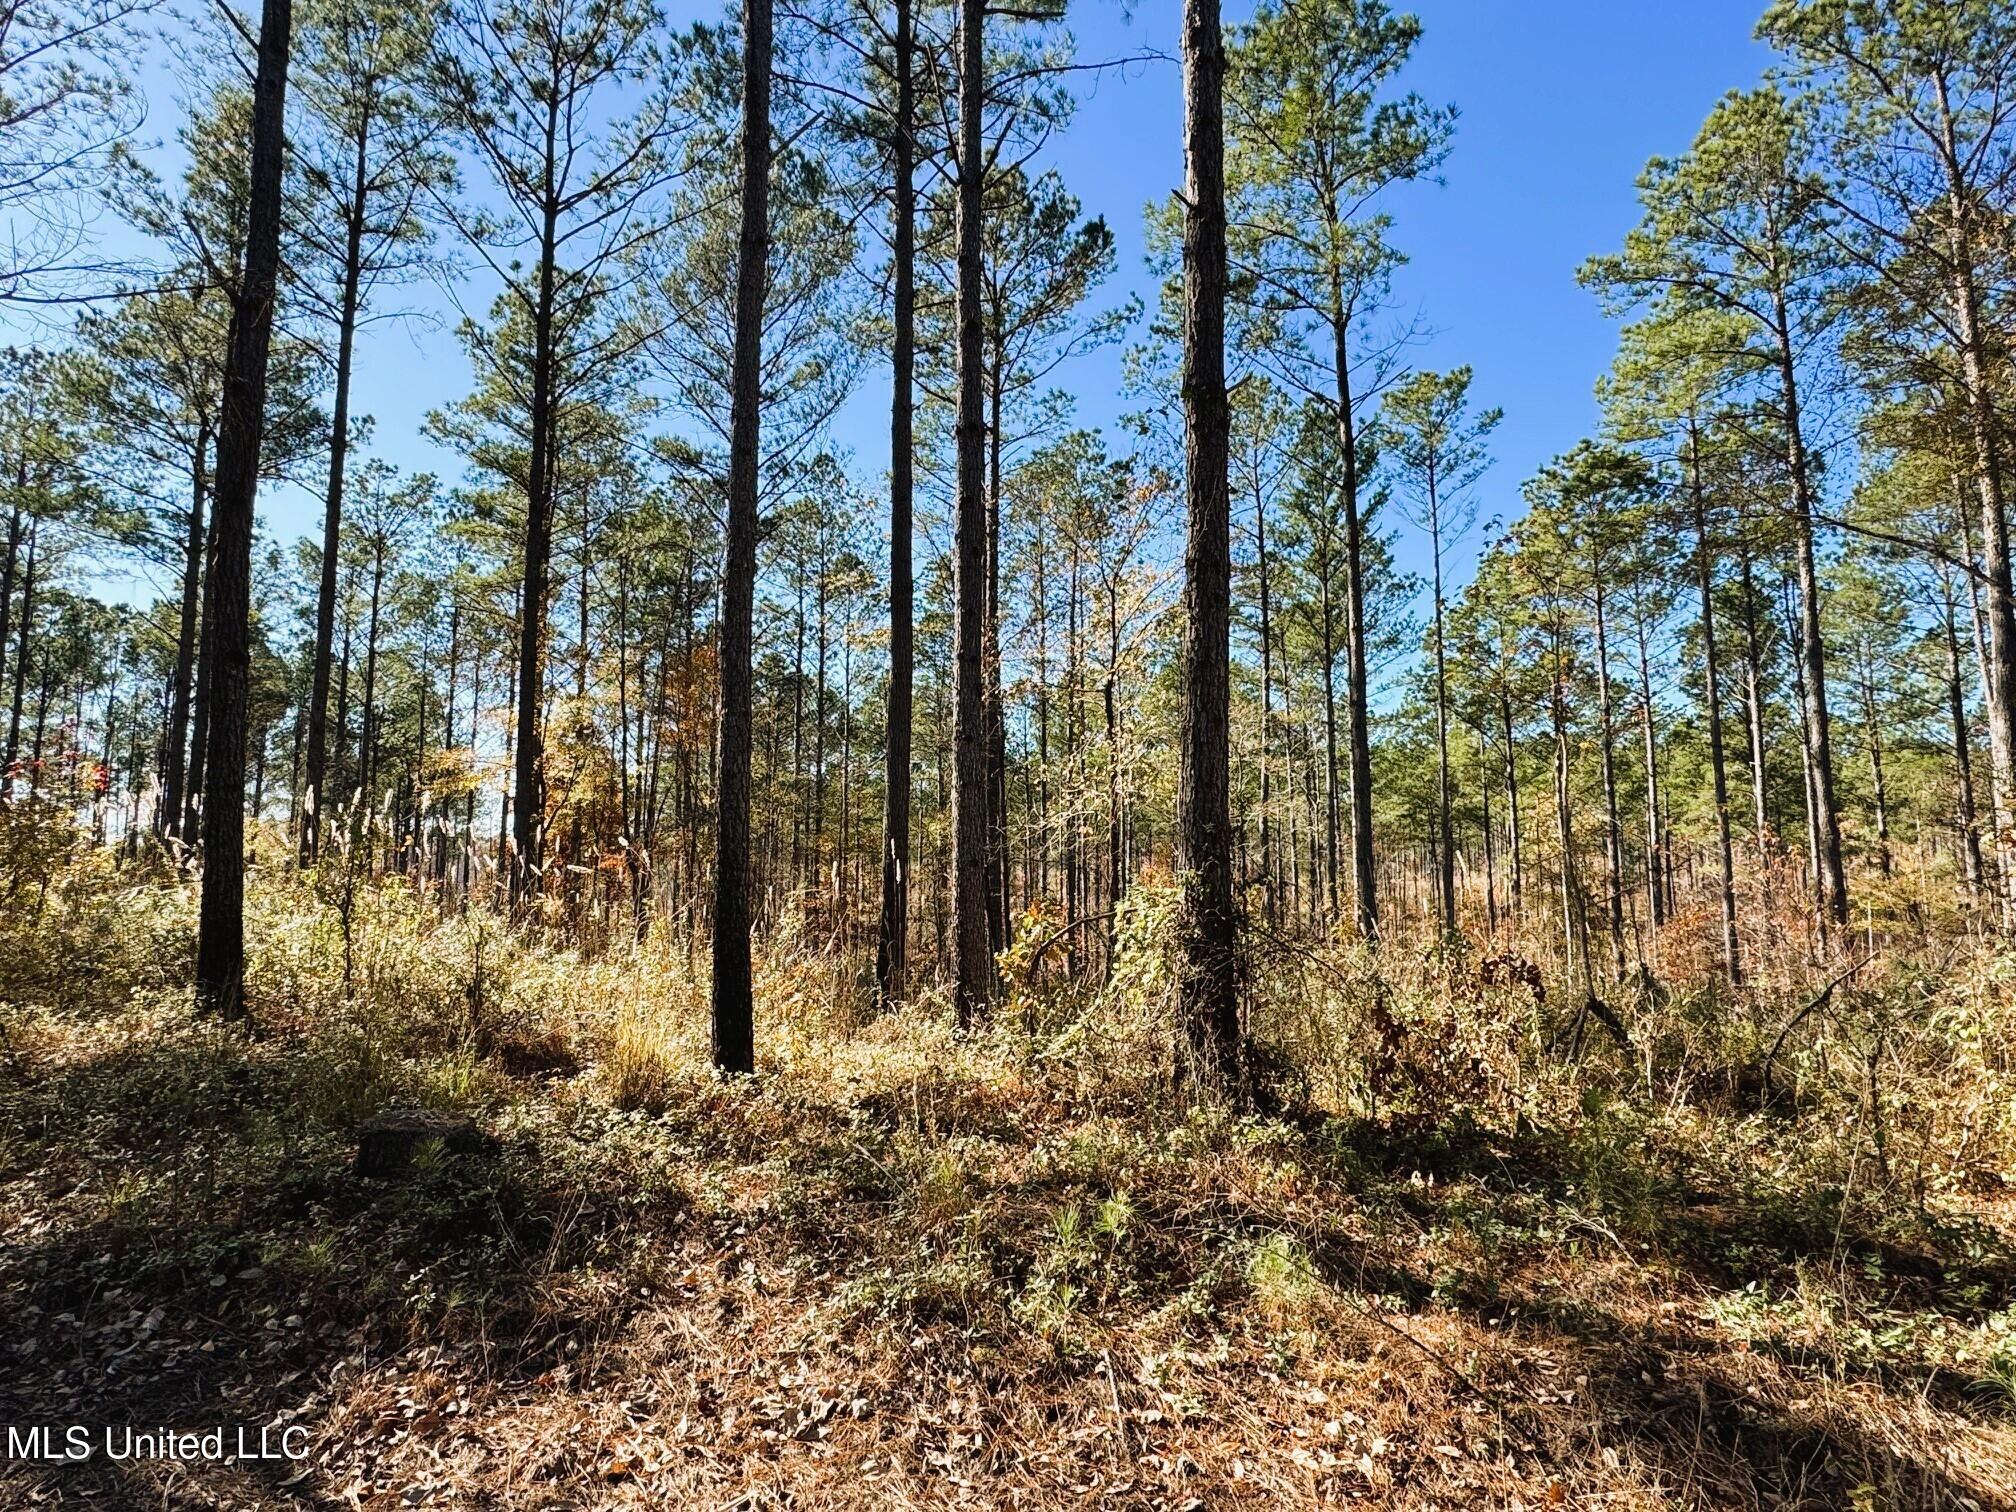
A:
[386,1140]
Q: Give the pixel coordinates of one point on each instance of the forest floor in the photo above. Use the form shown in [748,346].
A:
[906,1269]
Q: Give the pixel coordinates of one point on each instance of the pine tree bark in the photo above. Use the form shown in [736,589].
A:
[1986,437]
[175,745]
[1794,636]
[332,513]
[8,565]
[821,634]
[220,938]
[2000,607]
[892,938]
[1208,989]
[1878,782]
[1333,824]
[1116,809]
[528,782]
[972,961]
[1357,711]
[1963,754]
[1832,879]
[367,736]
[1613,838]
[528,768]
[1485,829]
[1574,914]
[1268,876]
[1998,815]
[199,701]
[1704,575]
[1512,799]
[734,1030]
[1753,700]
[26,630]
[999,925]
[1445,860]
[1648,727]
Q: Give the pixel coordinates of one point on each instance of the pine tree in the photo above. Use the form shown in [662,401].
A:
[1313,139]
[1437,446]
[1738,226]
[734,1033]
[220,936]
[367,167]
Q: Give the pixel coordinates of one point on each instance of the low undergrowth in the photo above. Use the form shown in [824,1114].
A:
[1452,1264]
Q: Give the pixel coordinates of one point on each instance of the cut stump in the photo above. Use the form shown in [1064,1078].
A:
[386,1140]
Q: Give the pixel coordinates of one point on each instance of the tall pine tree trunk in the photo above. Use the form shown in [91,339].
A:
[1878,783]
[1963,755]
[1518,859]
[528,780]
[1704,574]
[2000,613]
[1794,636]
[332,512]
[892,933]
[220,936]
[1332,822]
[1753,702]
[1268,877]
[1364,878]
[1116,807]
[1445,871]
[1998,815]
[1207,928]
[1490,841]
[199,702]
[734,1026]
[8,566]
[1986,434]
[1832,881]
[972,961]
[1574,918]
[998,925]
[1648,727]
[175,746]
[25,633]
[1613,838]
[367,737]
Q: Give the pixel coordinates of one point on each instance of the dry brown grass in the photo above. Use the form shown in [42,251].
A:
[913,1269]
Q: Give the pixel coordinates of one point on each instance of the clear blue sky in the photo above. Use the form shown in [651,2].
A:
[1561,103]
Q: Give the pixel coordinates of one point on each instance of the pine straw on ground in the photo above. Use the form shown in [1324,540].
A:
[905,1270]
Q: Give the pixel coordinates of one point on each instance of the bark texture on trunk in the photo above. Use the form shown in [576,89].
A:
[1986,434]
[332,517]
[1963,754]
[1445,857]
[199,703]
[175,743]
[1512,799]
[1704,573]
[220,935]
[1613,838]
[528,797]
[892,933]
[1208,922]
[1357,716]
[972,960]
[1831,880]
[734,1031]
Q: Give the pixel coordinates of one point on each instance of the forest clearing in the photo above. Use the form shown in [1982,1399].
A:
[708,801]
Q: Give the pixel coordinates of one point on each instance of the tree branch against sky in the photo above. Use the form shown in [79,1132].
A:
[855,753]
